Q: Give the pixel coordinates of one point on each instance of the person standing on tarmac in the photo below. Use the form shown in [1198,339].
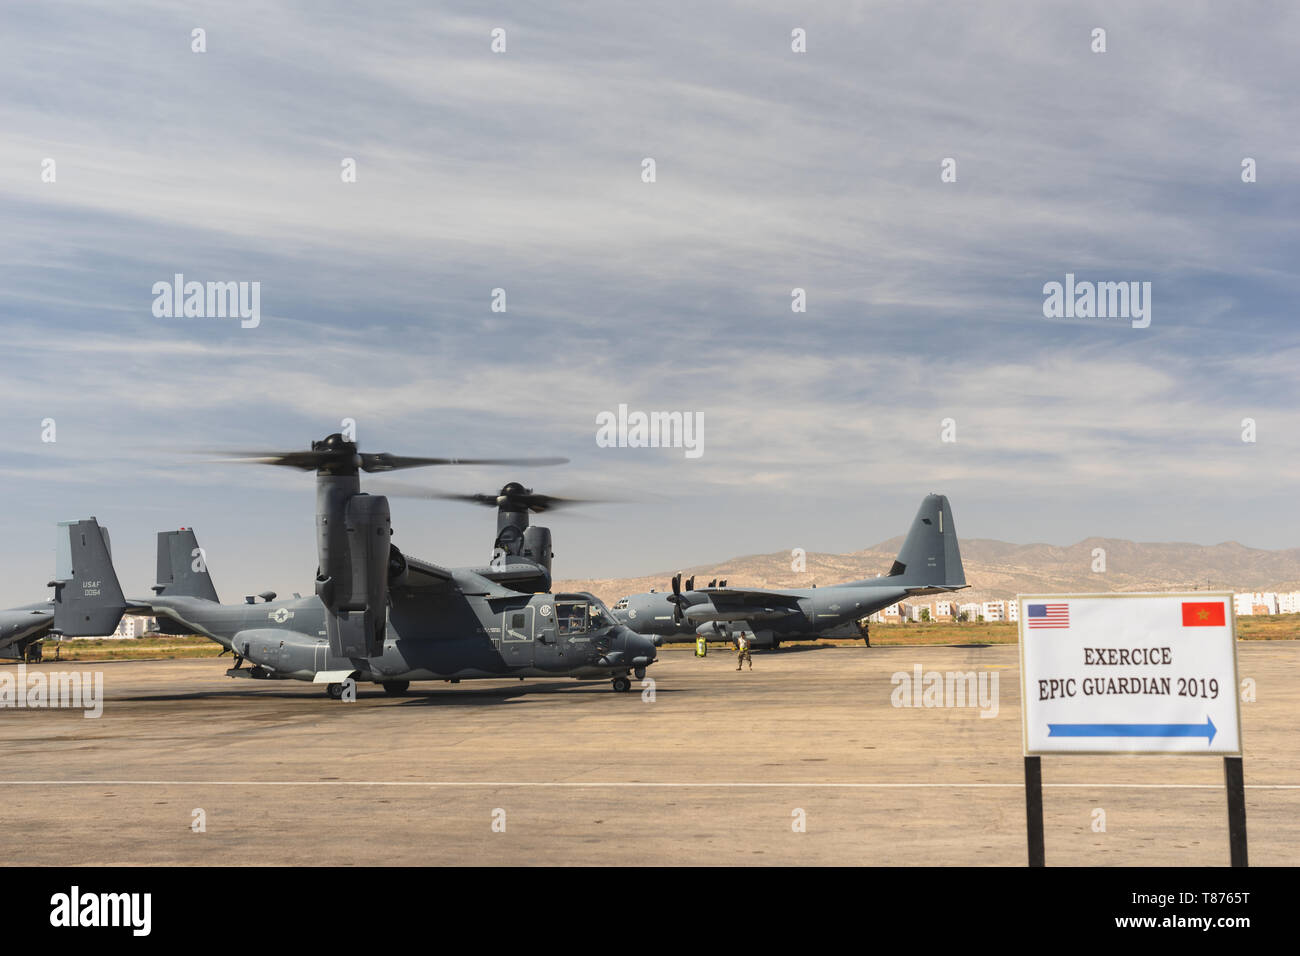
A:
[742,651]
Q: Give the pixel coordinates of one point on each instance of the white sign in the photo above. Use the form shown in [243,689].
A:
[1129,673]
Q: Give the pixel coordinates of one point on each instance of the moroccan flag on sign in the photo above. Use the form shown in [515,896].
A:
[1203,614]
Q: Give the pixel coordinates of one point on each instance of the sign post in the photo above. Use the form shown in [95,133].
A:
[1130,674]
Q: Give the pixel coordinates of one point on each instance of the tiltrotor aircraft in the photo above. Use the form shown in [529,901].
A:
[87,601]
[929,563]
[379,615]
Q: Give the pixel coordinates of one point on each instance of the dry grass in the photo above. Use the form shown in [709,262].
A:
[1272,627]
[130,649]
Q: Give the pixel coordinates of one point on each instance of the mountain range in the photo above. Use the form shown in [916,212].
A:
[999,570]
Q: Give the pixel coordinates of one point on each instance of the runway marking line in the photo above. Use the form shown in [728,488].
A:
[627,784]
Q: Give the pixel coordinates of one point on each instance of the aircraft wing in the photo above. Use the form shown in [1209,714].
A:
[735,604]
[511,573]
[746,597]
[425,576]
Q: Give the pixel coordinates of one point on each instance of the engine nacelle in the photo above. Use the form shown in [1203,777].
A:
[537,546]
[713,630]
[353,580]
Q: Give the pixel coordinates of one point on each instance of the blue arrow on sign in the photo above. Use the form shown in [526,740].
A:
[1134,730]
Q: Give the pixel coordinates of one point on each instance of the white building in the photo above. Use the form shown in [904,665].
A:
[133,626]
[1257,602]
[889,615]
[994,611]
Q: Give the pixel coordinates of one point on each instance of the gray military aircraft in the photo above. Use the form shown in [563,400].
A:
[87,600]
[381,616]
[929,563]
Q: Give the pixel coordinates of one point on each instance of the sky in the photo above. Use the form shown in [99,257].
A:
[522,170]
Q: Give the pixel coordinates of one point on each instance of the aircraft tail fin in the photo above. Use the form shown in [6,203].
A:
[929,560]
[88,599]
[183,566]
[930,556]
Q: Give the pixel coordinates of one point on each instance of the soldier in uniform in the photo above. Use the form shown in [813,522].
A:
[742,651]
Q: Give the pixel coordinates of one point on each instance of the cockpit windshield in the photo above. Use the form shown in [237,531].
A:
[570,618]
[598,616]
[580,615]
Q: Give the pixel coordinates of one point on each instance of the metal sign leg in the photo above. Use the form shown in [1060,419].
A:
[1234,780]
[1034,809]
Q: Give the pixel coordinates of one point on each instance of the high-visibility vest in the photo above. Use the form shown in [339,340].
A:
[701,646]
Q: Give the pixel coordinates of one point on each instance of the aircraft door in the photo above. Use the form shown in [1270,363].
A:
[517,637]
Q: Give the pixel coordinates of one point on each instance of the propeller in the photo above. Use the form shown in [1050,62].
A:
[336,453]
[511,497]
[677,599]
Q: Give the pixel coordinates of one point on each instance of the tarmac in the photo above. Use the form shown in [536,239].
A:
[804,760]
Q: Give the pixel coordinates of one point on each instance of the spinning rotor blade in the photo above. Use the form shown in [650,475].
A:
[386,462]
[336,452]
[512,496]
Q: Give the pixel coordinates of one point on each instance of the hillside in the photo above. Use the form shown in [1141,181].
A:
[996,569]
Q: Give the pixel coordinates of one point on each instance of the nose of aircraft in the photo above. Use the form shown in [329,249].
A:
[630,649]
[640,649]
[624,648]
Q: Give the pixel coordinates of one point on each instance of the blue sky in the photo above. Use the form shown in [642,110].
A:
[774,170]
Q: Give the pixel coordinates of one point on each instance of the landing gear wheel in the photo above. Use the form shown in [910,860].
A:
[396,688]
[622,684]
[334,691]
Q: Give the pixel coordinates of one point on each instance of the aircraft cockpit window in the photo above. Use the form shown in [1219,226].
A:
[599,618]
[571,618]
[621,605]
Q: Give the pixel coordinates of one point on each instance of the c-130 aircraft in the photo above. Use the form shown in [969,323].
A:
[379,615]
[929,563]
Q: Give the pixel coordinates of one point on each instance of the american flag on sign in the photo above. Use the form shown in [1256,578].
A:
[1048,615]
